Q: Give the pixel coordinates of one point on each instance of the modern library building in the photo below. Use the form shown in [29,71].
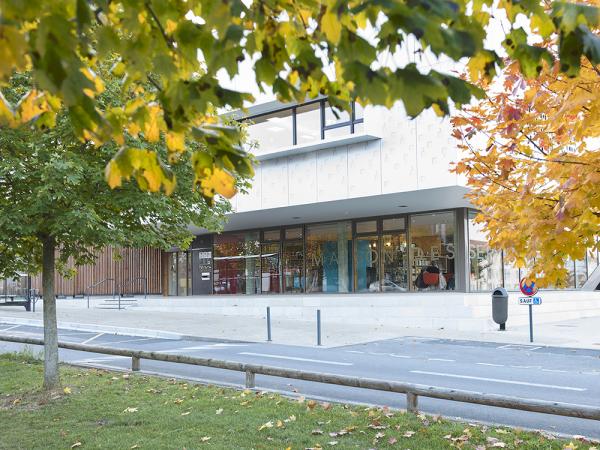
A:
[342,202]
[360,202]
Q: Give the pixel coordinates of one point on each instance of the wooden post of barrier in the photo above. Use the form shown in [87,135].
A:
[250,379]
[412,402]
[135,364]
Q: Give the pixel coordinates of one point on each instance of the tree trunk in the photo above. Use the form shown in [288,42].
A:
[51,377]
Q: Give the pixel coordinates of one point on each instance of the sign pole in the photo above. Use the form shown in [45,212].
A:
[530,323]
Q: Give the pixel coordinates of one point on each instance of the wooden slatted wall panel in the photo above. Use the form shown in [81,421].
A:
[134,263]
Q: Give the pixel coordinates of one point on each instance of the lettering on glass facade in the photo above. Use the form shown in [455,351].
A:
[416,252]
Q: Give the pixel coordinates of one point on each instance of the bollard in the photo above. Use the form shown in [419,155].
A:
[250,379]
[318,327]
[412,402]
[268,323]
[135,364]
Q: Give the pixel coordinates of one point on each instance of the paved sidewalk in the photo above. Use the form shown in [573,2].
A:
[580,333]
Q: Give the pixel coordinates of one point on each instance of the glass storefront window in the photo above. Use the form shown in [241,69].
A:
[237,263]
[329,257]
[271,235]
[511,276]
[369,226]
[308,123]
[367,263]
[395,263]
[172,273]
[580,273]
[570,266]
[396,223]
[272,131]
[432,251]
[293,266]
[182,274]
[293,233]
[592,260]
[485,263]
[270,282]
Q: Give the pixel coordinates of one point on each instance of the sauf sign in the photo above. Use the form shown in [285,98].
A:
[530,300]
[529,289]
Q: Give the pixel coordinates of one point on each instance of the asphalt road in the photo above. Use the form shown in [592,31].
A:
[525,371]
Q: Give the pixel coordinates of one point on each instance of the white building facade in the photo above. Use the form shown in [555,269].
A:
[360,202]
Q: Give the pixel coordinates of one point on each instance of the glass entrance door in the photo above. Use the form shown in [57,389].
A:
[293,266]
[395,262]
[367,263]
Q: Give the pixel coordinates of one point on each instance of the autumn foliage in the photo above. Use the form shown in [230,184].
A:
[532,160]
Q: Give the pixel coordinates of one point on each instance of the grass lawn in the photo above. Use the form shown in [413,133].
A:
[103,409]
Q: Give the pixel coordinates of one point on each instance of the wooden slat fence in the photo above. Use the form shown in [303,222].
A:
[134,263]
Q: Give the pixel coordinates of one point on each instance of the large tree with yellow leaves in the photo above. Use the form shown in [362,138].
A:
[533,163]
[56,205]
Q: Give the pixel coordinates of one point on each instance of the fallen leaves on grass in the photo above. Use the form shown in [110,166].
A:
[408,434]
[495,442]
[205,438]
[269,424]
[219,411]
[316,432]
[130,410]
[76,444]
[67,390]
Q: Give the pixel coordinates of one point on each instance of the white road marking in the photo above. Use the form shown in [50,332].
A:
[440,359]
[294,358]
[526,367]
[517,347]
[354,351]
[130,340]
[202,347]
[99,359]
[229,345]
[93,338]
[498,380]
[490,364]
[11,328]
[394,355]
[554,370]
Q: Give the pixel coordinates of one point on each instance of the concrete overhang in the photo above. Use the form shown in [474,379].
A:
[317,145]
[447,197]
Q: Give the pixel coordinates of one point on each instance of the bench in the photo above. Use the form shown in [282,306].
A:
[11,300]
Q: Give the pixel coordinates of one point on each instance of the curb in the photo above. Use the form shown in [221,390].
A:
[100,328]
[121,331]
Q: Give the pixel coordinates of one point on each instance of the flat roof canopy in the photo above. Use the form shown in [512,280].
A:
[448,197]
